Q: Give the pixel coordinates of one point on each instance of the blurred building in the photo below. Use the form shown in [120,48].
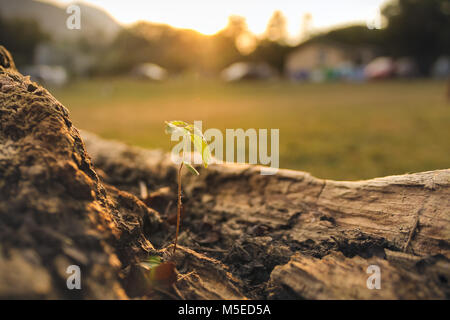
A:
[317,60]
[74,60]
[52,76]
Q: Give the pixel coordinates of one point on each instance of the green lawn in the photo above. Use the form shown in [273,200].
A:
[335,130]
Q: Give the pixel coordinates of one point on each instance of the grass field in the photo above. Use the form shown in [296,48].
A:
[335,130]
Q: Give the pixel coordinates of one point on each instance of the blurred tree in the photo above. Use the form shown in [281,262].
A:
[306,28]
[223,47]
[236,26]
[220,52]
[173,49]
[418,28]
[239,34]
[177,50]
[21,38]
[272,49]
[271,52]
[276,28]
[355,35]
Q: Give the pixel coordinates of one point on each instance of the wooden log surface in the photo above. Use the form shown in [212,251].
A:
[276,230]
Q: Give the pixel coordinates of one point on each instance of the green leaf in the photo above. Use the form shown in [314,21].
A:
[197,141]
[196,136]
[179,123]
[175,125]
[151,262]
[191,168]
[206,153]
[201,145]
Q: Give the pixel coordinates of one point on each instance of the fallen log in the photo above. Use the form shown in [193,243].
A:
[409,212]
[266,222]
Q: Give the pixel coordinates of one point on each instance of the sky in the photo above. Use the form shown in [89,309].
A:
[209,16]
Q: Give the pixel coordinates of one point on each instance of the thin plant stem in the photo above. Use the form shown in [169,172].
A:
[178,208]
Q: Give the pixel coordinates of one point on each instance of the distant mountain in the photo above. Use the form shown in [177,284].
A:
[97,26]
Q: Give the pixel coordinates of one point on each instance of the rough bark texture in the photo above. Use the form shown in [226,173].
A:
[54,212]
[244,235]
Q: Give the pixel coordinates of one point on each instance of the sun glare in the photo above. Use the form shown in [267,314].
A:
[208,17]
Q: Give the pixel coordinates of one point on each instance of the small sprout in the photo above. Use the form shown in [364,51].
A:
[163,274]
[191,169]
[151,262]
[201,146]
[196,137]
[159,273]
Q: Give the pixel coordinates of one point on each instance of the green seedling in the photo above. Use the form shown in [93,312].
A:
[195,137]
[159,274]
[151,262]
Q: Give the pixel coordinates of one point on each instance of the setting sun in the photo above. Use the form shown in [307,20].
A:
[208,17]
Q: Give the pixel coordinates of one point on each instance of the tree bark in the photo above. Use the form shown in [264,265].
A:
[54,212]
